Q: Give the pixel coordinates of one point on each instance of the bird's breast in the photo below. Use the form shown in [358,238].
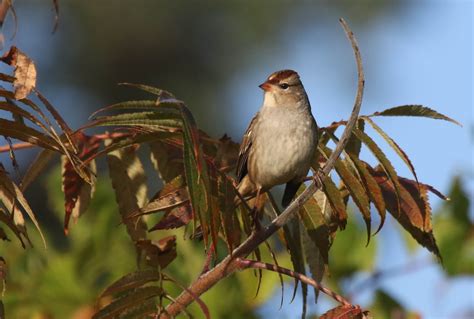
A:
[283,146]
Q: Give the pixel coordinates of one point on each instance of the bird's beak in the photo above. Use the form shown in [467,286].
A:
[265,86]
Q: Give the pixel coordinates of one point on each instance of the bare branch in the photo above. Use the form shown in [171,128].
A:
[230,264]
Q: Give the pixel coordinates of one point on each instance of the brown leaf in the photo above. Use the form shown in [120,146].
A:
[78,193]
[414,213]
[167,160]
[227,154]
[345,312]
[158,253]
[25,72]
[177,217]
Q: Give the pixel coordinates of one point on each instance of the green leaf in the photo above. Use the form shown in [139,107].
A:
[381,157]
[294,246]
[355,188]
[415,110]
[127,302]
[152,120]
[354,145]
[394,146]
[455,232]
[315,239]
[339,215]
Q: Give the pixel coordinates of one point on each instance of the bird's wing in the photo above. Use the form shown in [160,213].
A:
[245,149]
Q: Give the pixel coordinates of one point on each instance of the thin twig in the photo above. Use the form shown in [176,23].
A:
[247,263]
[229,264]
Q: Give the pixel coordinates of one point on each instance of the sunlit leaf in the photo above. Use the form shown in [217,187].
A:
[129,182]
[355,188]
[9,189]
[36,167]
[411,209]
[372,188]
[6,219]
[345,312]
[25,72]
[394,146]
[415,110]
[381,157]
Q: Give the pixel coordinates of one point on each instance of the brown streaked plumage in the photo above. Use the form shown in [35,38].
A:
[281,140]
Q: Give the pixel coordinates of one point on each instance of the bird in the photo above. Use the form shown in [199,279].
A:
[280,142]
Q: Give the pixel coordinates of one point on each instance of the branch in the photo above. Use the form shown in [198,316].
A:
[246,263]
[230,264]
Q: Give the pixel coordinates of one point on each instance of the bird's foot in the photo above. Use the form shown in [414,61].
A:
[256,226]
[317,177]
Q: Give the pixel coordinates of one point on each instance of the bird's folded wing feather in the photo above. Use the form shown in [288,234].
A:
[245,149]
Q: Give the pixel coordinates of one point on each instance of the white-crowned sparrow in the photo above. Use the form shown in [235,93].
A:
[280,142]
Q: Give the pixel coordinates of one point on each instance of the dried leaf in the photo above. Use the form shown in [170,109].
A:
[345,312]
[415,110]
[25,72]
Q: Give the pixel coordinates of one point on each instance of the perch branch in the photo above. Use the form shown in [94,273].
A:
[230,263]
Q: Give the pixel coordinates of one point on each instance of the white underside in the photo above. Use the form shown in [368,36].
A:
[287,129]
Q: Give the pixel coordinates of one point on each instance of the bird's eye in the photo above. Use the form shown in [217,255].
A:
[284,86]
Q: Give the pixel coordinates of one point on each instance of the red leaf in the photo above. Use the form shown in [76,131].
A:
[414,213]
[345,312]
[74,187]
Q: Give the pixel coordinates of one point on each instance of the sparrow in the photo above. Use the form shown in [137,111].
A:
[280,143]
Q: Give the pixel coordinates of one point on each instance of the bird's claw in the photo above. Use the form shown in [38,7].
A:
[317,178]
